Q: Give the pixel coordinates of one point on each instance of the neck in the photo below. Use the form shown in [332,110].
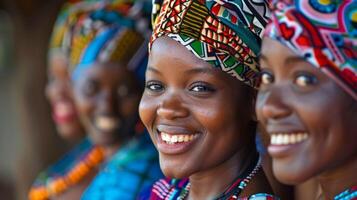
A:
[207,185]
[338,179]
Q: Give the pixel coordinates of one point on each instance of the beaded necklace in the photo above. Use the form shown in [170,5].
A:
[350,194]
[232,192]
[54,184]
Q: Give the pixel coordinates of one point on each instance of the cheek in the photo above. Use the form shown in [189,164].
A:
[85,106]
[147,110]
[129,106]
[259,106]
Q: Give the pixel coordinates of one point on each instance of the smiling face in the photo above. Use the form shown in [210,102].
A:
[311,121]
[59,94]
[107,96]
[197,115]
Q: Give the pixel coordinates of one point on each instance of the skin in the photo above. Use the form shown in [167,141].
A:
[108,90]
[59,91]
[105,89]
[187,94]
[293,97]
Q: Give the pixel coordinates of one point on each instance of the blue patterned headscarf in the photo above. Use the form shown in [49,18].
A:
[113,33]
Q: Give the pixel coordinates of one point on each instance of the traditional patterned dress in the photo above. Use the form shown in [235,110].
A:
[172,189]
[350,194]
[68,171]
[134,167]
[175,189]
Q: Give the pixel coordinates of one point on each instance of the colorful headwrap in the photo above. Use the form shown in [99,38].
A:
[224,33]
[110,34]
[322,32]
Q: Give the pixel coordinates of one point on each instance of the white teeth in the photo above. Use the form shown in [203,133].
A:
[107,123]
[172,139]
[288,138]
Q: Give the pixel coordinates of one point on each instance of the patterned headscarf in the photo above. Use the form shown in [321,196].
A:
[111,34]
[323,33]
[224,33]
[60,35]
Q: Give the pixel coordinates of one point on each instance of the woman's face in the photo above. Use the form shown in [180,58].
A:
[196,114]
[311,121]
[59,93]
[107,96]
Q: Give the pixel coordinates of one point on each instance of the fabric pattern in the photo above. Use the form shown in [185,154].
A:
[226,34]
[109,34]
[69,170]
[171,189]
[323,33]
[134,167]
[350,194]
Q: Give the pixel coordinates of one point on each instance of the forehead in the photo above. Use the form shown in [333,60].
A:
[168,54]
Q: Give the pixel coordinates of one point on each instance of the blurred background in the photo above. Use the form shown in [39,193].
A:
[28,142]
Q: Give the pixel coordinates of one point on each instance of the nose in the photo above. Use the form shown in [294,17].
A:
[272,105]
[56,90]
[171,107]
[108,103]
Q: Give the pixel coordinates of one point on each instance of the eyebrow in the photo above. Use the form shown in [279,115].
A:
[200,70]
[291,59]
[288,60]
[152,69]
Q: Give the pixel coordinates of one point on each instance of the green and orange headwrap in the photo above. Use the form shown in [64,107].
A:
[225,33]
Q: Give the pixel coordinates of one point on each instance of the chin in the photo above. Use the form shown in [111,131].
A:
[172,169]
[287,175]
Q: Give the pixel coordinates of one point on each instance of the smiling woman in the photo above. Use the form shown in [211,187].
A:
[307,100]
[200,118]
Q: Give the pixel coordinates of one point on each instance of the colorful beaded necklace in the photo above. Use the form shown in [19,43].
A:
[53,182]
[350,194]
[232,192]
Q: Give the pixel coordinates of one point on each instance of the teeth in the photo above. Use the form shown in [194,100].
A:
[288,138]
[107,123]
[172,139]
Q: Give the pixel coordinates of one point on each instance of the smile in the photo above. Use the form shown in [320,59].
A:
[288,138]
[106,123]
[173,139]
[176,139]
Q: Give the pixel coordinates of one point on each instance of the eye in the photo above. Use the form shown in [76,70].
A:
[201,87]
[90,88]
[266,78]
[304,80]
[154,86]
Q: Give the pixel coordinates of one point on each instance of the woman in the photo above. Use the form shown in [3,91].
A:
[74,167]
[108,59]
[307,98]
[201,119]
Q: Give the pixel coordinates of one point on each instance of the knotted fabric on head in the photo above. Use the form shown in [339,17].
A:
[115,32]
[324,33]
[59,42]
[224,33]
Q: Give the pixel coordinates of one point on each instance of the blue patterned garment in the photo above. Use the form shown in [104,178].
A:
[134,167]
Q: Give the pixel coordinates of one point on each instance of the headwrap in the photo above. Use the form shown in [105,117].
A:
[112,33]
[324,33]
[224,33]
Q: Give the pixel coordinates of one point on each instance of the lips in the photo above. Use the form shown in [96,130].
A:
[175,139]
[106,123]
[63,112]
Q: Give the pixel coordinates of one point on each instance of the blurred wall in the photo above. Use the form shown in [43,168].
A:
[28,142]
